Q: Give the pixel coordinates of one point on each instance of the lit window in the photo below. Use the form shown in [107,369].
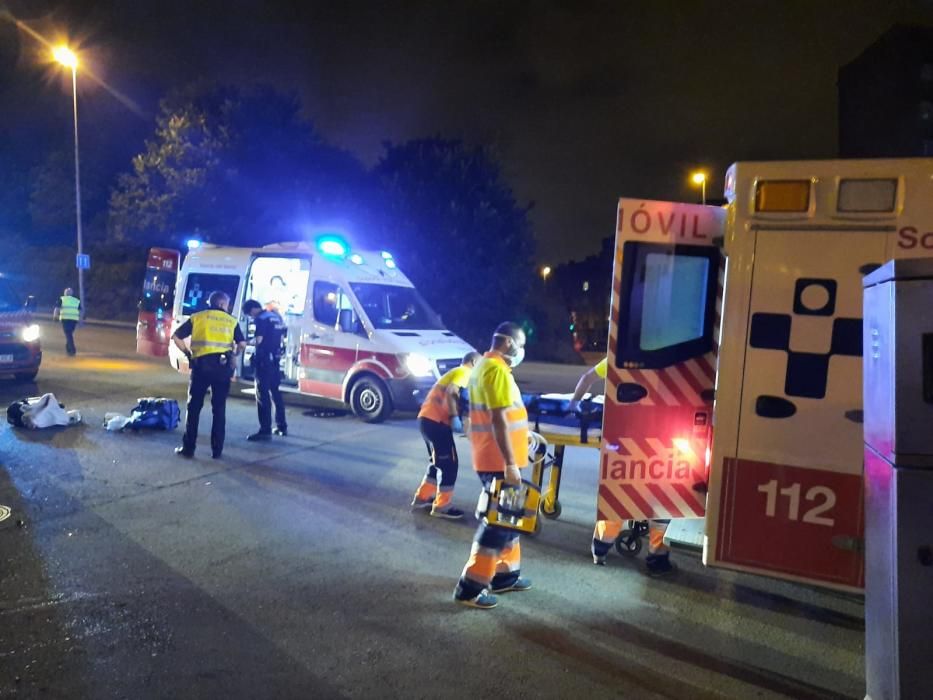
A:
[867,195]
[782,196]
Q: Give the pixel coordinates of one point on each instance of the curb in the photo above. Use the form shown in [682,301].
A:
[89,321]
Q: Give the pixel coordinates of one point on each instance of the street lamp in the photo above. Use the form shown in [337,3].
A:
[69,59]
[545,271]
[699,178]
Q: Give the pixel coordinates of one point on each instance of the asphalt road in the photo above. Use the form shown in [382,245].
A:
[294,569]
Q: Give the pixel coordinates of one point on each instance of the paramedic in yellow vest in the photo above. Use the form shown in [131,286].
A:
[68,310]
[439,417]
[658,561]
[215,336]
[499,438]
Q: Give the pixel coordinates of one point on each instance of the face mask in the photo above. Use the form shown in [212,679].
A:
[516,359]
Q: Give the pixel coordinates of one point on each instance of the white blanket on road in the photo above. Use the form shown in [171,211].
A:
[47,412]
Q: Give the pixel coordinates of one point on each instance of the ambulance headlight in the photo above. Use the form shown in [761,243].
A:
[419,365]
[30,333]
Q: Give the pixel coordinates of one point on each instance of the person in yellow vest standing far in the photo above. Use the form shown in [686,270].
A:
[499,438]
[68,310]
[215,337]
[439,417]
[658,560]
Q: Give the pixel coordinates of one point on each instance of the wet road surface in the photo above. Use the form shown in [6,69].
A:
[293,569]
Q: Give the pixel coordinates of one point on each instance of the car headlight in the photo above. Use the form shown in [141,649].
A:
[30,333]
[419,365]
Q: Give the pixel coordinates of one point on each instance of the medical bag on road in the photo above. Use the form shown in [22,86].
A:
[154,414]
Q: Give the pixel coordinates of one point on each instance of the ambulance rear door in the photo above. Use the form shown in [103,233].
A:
[786,497]
[662,361]
[157,298]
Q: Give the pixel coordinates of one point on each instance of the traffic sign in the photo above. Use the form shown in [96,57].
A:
[83,261]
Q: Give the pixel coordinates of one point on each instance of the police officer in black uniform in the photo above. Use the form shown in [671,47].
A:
[270,330]
[215,337]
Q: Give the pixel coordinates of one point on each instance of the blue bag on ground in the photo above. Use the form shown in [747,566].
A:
[154,414]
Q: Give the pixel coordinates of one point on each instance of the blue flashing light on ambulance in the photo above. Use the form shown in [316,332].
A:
[358,332]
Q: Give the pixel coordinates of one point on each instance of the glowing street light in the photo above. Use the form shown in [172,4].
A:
[65,56]
[699,178]
[69,59]
[545,271]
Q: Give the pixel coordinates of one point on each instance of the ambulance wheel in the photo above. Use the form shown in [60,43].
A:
[369,399]
[26,376]
[553,513]
[628,543]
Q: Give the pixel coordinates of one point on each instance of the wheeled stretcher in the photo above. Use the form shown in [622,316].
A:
[559,427]
[550,417]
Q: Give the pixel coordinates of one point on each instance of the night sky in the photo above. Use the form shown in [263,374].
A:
[583,101]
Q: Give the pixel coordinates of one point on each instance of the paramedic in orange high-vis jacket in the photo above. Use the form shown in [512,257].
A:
[440,415]
[658,561]
[499,438]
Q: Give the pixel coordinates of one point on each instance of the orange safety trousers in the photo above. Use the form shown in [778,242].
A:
[495,557]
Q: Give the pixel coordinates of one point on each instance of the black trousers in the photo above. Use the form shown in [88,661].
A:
[439,439]
[208,373]
[267,394]
[69,328]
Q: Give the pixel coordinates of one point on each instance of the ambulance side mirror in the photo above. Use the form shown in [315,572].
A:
[30,305]
[347,321]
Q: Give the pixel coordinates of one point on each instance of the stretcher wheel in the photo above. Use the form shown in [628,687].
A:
[628,543]
[552,513]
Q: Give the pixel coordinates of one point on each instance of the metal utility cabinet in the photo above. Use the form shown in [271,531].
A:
[898,404]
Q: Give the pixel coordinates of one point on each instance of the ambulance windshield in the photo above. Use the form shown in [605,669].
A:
[395,308]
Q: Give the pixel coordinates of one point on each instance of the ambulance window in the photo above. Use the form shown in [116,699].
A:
[667,304]
[782,196]
[674,301]
[326,303]
[200,285]
[867,196]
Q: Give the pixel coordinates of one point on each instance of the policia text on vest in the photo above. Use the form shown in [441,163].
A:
[215,336]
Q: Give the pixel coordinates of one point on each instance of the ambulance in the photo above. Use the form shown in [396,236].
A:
[734,396]
[358,332]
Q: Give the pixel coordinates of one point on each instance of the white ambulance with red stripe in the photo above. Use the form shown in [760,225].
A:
[785,487]
[358,332]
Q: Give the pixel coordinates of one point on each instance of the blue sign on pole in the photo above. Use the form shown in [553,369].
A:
[83,261]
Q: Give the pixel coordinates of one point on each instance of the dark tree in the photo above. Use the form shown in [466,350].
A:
[235,167]
[458,233]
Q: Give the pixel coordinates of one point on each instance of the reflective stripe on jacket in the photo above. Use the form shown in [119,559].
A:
[70,309]
[492,386]
[211,332]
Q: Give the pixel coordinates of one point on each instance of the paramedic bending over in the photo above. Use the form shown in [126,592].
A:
[658,561]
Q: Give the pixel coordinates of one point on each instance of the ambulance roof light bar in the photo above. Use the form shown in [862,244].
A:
[332,246]
[782,196]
